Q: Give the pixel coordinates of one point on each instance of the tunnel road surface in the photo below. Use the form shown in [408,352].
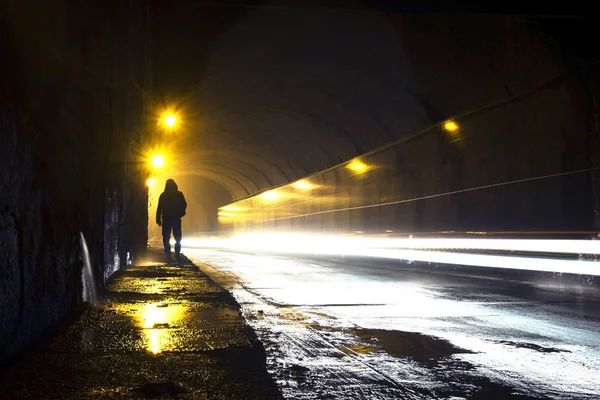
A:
[367,328]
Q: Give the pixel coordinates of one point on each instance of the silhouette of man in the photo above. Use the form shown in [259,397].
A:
[171,208]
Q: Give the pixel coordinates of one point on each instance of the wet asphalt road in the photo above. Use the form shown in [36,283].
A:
[364,328]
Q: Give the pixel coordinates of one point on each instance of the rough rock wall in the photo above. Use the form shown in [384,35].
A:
[69,113]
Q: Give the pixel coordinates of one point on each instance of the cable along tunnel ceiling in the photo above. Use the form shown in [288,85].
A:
[288,92]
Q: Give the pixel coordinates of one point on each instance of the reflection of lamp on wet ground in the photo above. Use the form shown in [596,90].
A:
[157,320]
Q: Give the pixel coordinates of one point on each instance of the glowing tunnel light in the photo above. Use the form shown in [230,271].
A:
[170,120]
[357,166]
[231,208]
[425,250]
[451,126]
[270,195]
[302,185]
[158,161]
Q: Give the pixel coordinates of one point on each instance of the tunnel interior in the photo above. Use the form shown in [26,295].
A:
[335,85]
[84,92]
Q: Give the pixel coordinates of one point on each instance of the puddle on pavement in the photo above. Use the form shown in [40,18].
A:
[150,273]
[532,346]
[292,315]
[163,324]
[358,348]
[157,321]
[422,348]
[450,377]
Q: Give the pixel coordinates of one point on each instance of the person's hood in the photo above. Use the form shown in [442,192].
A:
[170,186]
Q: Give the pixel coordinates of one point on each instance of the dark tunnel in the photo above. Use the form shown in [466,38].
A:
[263,96]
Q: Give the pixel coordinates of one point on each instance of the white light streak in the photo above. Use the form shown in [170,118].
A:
[436,250]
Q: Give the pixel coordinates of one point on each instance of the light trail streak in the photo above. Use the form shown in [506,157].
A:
[436,250]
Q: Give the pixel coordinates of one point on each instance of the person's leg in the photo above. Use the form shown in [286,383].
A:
[177,234]
[166,233]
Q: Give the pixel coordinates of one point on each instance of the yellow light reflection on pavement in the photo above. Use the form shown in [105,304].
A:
[158,319]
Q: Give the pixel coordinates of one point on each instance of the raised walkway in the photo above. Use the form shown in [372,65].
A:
[158,331]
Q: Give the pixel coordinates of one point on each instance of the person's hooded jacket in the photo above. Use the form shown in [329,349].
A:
[171,204]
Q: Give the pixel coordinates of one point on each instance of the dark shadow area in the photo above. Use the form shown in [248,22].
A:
[421,348]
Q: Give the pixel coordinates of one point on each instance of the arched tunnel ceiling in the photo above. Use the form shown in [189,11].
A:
[287,92]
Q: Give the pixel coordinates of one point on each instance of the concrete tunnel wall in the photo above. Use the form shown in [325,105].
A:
[333,84]
[462,65]
[69,113]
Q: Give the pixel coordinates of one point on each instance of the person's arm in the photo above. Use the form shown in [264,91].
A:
[184,203]
[159,210]
[181,205]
